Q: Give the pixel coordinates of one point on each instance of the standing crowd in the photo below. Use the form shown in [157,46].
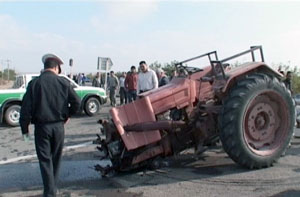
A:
[129,84]
[133,83]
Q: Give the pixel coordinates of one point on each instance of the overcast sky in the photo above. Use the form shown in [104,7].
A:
[131,31]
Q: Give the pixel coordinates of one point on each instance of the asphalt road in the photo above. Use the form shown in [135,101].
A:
[210,174]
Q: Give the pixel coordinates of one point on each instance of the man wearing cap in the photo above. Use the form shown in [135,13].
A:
[48,103]
[162,77]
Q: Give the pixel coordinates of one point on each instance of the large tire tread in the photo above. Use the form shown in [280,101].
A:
[229,114]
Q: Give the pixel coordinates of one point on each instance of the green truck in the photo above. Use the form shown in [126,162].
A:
[10,99]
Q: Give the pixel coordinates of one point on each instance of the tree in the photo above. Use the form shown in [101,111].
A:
[167,67]
[295,76]
[90,76]
[8,74]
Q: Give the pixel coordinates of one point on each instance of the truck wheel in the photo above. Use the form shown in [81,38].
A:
[257,121]
[12,115]
[92,106]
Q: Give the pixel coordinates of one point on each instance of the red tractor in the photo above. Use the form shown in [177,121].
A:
[246,107]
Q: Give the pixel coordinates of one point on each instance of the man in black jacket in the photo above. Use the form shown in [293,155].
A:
[48,103]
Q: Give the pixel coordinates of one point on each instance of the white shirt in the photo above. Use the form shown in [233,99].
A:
[147,81]
[122,80]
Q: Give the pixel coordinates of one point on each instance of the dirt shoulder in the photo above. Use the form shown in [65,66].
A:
[6,84]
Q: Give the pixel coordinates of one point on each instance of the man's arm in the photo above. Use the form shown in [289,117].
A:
[154,80]
[94,83]
[108,83]
[117,82]
[74,101]
[126,82]
[138,85]
[26,110]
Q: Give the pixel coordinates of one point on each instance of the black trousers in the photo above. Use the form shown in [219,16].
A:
[49,140]
[123,95]
[112,96]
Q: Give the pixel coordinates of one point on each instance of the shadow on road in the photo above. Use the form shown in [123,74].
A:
[288,193]
[81,136]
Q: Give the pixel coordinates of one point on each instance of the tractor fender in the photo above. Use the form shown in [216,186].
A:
[5,104]
[245,69]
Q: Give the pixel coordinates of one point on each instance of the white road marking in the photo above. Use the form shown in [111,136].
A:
[17,159]
[78,146]
[34,155]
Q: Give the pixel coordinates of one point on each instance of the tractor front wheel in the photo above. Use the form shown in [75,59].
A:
[257,121]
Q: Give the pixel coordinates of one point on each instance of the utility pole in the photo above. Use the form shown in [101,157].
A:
[8,61]
[71,66]
[1,78]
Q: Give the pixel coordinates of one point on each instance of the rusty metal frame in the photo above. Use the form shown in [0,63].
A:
[200,56]
[219,63]
[251,50]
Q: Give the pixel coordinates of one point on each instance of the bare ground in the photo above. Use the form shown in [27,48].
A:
[6,84]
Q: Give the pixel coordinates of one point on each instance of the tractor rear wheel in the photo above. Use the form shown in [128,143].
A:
[257,121]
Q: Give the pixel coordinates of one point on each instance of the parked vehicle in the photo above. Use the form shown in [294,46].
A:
[88,80]
[246,107]
[10,99]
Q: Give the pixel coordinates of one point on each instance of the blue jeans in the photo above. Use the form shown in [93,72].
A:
[131,94]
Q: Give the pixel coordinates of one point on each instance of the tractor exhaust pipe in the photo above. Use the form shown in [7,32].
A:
[157,125]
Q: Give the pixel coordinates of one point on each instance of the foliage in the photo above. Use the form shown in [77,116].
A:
[295,75]
[235,64]
[167,67]
[90,76]
[118,74]
[8,74]
[296,84]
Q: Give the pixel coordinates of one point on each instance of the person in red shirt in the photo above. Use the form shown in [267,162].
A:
[131,84]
